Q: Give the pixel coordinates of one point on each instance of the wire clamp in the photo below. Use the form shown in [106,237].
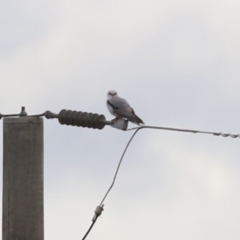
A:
[99,210]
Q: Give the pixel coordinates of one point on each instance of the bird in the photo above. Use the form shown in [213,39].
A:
[120,108]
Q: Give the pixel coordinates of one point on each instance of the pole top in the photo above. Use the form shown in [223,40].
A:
[16,120]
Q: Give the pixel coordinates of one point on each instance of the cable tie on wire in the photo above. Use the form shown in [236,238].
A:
[98,212]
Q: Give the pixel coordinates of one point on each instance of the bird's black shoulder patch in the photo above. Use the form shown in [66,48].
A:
[114,107]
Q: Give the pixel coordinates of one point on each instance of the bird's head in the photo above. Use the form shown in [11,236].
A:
[111,93]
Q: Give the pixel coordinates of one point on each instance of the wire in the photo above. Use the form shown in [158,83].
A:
[187,130]
[97,214]
[119,164]
[90,228]
[99,209]
[9,115]
[38,115]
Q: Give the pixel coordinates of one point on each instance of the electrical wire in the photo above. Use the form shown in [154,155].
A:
[187,130]
[90,228]
[97,214]
[38,115]
[119,164]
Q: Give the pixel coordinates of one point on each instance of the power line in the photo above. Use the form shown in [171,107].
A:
[100,207]
[187,130]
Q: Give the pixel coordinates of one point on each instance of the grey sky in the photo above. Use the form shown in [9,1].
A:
[177,63]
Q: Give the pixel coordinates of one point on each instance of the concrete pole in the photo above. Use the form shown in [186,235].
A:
[23,179]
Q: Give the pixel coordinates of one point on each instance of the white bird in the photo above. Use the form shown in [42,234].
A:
[120,108]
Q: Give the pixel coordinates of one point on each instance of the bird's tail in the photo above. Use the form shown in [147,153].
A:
[132,117]
[135,119]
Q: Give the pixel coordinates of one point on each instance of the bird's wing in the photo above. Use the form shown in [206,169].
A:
[119,103]
[121,106]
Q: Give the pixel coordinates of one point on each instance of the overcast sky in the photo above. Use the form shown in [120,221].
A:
[178,65]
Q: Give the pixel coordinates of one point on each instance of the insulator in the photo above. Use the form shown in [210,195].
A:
[82,119]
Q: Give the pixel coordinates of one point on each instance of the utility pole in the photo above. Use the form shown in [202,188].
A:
[23,179]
